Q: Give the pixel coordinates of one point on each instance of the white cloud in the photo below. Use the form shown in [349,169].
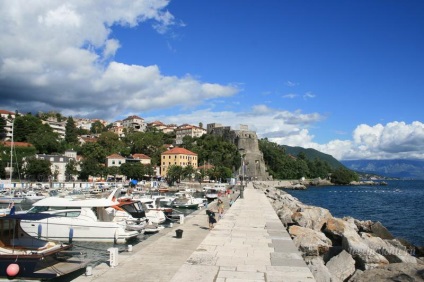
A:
[291,83]
[60,55]
[290,96]
[308,95]
[391,141]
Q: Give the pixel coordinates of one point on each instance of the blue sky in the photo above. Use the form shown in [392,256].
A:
[343,77]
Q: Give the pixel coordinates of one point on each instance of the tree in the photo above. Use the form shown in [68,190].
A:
[188,171]
[45,140]
[174,174]
[37,169]
[71,134]
[2,127]
[133,170]
[90,167]
[111,143]
[97,127]
[343,176]
[71,169]
[94,151]
[24,126]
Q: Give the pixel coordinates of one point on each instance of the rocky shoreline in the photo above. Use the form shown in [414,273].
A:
[344,249]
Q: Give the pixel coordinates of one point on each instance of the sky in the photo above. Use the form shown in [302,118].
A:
[342,77]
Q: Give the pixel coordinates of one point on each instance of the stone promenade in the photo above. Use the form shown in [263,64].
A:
[248,244]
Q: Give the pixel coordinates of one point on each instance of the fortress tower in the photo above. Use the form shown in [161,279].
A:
[248,146]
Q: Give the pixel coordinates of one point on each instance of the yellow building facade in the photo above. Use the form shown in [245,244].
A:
[177,156]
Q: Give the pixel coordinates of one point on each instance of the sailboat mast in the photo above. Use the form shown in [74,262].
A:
[11,153]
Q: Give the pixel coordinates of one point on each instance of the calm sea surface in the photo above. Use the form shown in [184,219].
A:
[399,206]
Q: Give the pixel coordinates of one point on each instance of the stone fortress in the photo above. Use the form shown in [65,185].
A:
[248,146]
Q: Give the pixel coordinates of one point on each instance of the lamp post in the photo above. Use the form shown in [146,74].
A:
[242,174]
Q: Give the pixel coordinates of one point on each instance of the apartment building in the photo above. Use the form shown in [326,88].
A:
[9,117]
[134,123]
[177,156]
[188,130]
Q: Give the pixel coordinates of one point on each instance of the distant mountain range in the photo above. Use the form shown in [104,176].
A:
[405,169]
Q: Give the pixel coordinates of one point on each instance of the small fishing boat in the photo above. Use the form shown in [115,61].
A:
[26,257]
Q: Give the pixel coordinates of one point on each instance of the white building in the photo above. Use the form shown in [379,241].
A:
[134,123]
[188,130]
[9,117]
[58,164]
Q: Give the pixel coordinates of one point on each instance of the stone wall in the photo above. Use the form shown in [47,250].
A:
[248,145]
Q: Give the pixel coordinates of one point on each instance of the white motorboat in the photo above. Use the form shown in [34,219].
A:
[140,216]
[80,220]
[211,193]
[153,214]
[34,196]
[186,200]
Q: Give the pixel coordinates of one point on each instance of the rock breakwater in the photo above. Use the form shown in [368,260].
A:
[344,249]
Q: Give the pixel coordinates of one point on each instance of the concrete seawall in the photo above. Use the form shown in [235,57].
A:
[249,244]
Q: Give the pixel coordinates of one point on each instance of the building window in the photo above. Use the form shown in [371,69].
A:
[113,162]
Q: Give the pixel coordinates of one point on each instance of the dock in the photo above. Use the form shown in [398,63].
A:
[248,244]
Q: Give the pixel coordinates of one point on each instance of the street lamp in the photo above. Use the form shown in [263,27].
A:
[242,173]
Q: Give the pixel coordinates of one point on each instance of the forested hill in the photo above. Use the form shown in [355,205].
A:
[312,154]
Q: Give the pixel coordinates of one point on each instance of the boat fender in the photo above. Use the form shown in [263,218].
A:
[39,230]
[71,235]
[116,236]
[12,269]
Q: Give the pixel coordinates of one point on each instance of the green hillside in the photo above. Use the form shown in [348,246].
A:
[312,154]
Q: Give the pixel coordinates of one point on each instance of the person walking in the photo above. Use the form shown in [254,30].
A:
[211,218]
[220,208]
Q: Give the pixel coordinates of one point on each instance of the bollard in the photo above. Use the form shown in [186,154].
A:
[181,219]
[113,257]
[88,271]
[130,248]
[171,224]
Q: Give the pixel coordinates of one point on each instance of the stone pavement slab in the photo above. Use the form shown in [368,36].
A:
[248,244]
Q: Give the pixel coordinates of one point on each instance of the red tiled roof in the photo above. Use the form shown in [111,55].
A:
[179,151]
[115,156]
[5,112]
[133,117]
[17,144]
[140,156]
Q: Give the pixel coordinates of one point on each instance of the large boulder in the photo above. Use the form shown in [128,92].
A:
[309,242]
[285,215]
[393,252]
[393,272]
[312,217]
[365,257]
[341,266]
[319,270]
[336,229]
[379,230]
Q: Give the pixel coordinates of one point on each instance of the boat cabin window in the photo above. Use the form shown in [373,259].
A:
[69,214]
[38,209]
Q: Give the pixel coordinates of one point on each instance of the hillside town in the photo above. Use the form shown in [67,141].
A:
[173,153]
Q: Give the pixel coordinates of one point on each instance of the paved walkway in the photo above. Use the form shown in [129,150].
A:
[248,244]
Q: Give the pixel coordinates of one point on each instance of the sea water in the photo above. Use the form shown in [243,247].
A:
[397,205]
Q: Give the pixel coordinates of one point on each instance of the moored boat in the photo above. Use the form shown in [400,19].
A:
[25,257]
[83,220]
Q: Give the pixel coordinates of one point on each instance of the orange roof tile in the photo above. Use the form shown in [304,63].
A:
[179,151]
[115,156]
[140,156]
[17,144]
